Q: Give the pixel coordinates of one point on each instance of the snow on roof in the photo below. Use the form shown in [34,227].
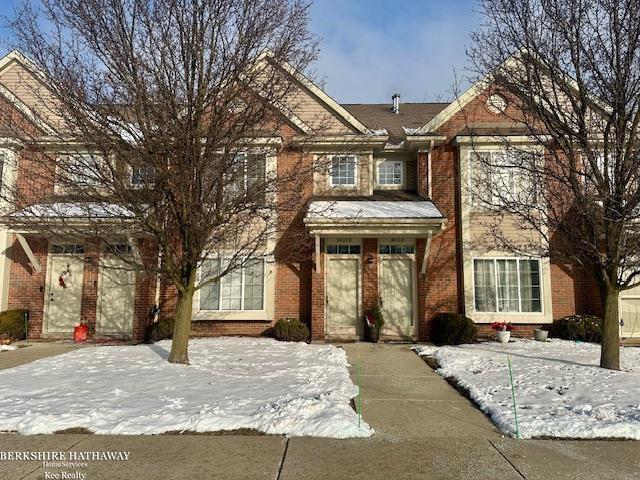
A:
[345,209]
[74,210]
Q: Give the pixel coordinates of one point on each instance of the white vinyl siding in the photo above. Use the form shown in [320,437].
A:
[507,285]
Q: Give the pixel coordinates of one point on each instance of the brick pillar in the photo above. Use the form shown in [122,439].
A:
[26,287]
[423,174]
[370,291]
[318,299]
[145,291]
[90,285]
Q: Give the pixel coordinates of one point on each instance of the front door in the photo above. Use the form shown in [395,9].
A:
[116,297]
[629,311]
[64,289]
[396,289]
[343,296]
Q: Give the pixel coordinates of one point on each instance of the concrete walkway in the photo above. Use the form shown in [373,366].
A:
[34,351]
[424,430]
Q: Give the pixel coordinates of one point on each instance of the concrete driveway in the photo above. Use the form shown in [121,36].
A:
[424,430]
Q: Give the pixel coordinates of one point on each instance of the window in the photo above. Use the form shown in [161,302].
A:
[343,170]
[142,175]
[501,177]
[507,285]
[240,289]
[343,249]
[82,170]
[248,177]
[67,248]
[390,172]
[386,249]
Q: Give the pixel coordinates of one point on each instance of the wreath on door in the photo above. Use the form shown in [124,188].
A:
[64,276]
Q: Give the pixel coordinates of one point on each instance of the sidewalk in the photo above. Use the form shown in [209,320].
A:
[424,430]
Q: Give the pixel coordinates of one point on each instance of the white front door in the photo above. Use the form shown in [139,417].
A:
[116,297]
[396,293]
[629,311]
[63,298]
[343,296]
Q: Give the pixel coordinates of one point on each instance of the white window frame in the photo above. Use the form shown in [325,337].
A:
[355,172]
[243,275]
[390,186]
[495,272]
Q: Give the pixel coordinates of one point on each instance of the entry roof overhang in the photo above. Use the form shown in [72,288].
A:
[43,216]
[373,218]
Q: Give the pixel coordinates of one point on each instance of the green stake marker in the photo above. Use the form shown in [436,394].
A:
[359,402]
[26,329]
[513,397]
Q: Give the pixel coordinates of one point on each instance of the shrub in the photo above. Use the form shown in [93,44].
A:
[12,325]
[586,328]
[290,330]
[376,315]
[162,329]
[452,329]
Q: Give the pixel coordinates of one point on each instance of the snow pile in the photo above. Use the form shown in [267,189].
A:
[560,390]
[274,387]
[7,348]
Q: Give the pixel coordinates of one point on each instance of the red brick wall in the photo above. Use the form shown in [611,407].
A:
[90,285]
[370,285]
[26,287]
[573,291]
[317,299]
[439,290]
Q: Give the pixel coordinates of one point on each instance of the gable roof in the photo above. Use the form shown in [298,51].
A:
[378,116]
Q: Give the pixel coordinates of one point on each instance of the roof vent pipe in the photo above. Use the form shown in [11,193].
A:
[395,98]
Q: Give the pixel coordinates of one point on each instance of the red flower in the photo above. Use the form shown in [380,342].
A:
[502,326]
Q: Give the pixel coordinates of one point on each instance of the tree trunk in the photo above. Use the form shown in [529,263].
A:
[610,350]
[182,327]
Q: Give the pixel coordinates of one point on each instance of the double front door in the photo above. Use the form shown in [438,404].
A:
[114,292]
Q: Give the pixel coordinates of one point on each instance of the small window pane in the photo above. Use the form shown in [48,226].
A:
[530,286]
[210,294]
[332,248]
[142,175]
[231,290]
[484,280]
[343,170]
[507,285]
[254,285]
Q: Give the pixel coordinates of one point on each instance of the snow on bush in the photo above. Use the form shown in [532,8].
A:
[293,389]
[560,390]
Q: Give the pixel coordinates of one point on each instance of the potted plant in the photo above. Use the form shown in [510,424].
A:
[374,321]
[503,331]
[541,334]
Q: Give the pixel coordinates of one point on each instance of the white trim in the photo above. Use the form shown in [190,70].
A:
[30,255]
[425,256]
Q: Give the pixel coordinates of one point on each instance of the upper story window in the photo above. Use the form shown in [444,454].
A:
[343,170]
[499,177]
[391,173]
[81,171]
[506,285]
[247,177]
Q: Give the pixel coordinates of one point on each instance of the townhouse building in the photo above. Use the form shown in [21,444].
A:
[391,221]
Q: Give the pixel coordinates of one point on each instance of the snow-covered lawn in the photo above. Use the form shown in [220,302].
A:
[274,387]
[560,391]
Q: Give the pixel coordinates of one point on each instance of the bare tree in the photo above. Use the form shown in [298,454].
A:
[162,118]
[570,72]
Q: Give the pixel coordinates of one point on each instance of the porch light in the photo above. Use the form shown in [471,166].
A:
[370,259]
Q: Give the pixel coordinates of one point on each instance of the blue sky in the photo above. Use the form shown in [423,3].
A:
[371,49]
